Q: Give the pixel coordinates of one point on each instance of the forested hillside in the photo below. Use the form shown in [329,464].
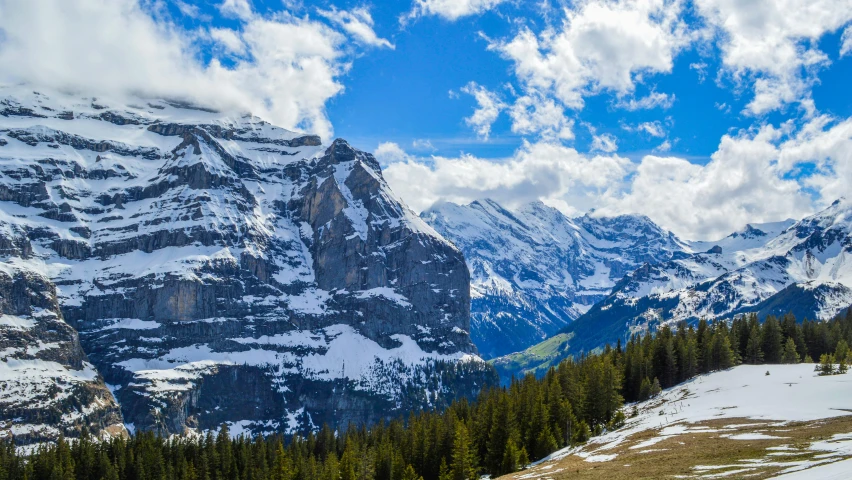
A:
[499,433]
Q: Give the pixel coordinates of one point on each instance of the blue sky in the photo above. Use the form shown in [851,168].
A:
[402,95]
[702,114]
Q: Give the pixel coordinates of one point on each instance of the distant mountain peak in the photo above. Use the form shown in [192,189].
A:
[534,269]
[799,266]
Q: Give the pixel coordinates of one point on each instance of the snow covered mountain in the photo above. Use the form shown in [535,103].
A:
[535,270]
[194,251]
[803,267]
[47,385]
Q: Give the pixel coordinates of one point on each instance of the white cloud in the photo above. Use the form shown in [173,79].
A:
[846,39]
[663,147]
[753,177]
[236,8]
[653,100]
[187,9]
[768,174]
[825,145]
[741,184]
[606,143]
[774,44]
[488,109]
[229,39]
[422,144]
[701,69]
[535,115]
[451,9]
[654,129]
[287,74]
[389,152]
[358,23]
[541,170]
[600,46]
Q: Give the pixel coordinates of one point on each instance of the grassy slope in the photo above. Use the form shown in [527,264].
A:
[536,359]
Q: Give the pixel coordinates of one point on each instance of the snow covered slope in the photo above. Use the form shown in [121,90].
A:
[47,385]
[535,270]
[195,251]
[780,408]
[804,267]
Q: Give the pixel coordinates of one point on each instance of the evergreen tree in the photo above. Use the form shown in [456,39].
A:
[723,355]
[754,351]
[841,352]
[524,458]
[509,462]
[826,363]
[690,361]
[410,474]
[445,473]
[656,389]
[582,433]
[282,470]
[771,340]
[463,466]
[645,390]
[790,355]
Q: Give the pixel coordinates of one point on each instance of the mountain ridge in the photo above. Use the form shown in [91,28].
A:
[783,267]
[535,270]
[191,249]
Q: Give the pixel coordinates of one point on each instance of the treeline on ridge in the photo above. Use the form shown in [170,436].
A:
[499,433]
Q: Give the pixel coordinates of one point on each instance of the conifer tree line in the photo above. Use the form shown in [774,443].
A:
[500,432]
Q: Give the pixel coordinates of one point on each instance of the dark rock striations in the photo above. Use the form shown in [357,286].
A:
[47,385]
[219,269]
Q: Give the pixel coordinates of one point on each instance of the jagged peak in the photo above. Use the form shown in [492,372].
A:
[340,151]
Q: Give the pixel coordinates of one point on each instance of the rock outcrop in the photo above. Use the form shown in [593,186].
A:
[47,385]
[219,269]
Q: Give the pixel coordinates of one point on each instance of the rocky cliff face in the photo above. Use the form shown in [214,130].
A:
[535,270]
[219,269]
[47,385]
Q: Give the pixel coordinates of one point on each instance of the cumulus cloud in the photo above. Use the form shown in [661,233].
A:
[358,23]
[774,45]
[701,69]
[825,145]
[541,170]
[604,143]
[538,115]
[600,46]
[236,8]
[451,9]
[742,183]
[287,70]
[389,152]
[767,174]
[488,109]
